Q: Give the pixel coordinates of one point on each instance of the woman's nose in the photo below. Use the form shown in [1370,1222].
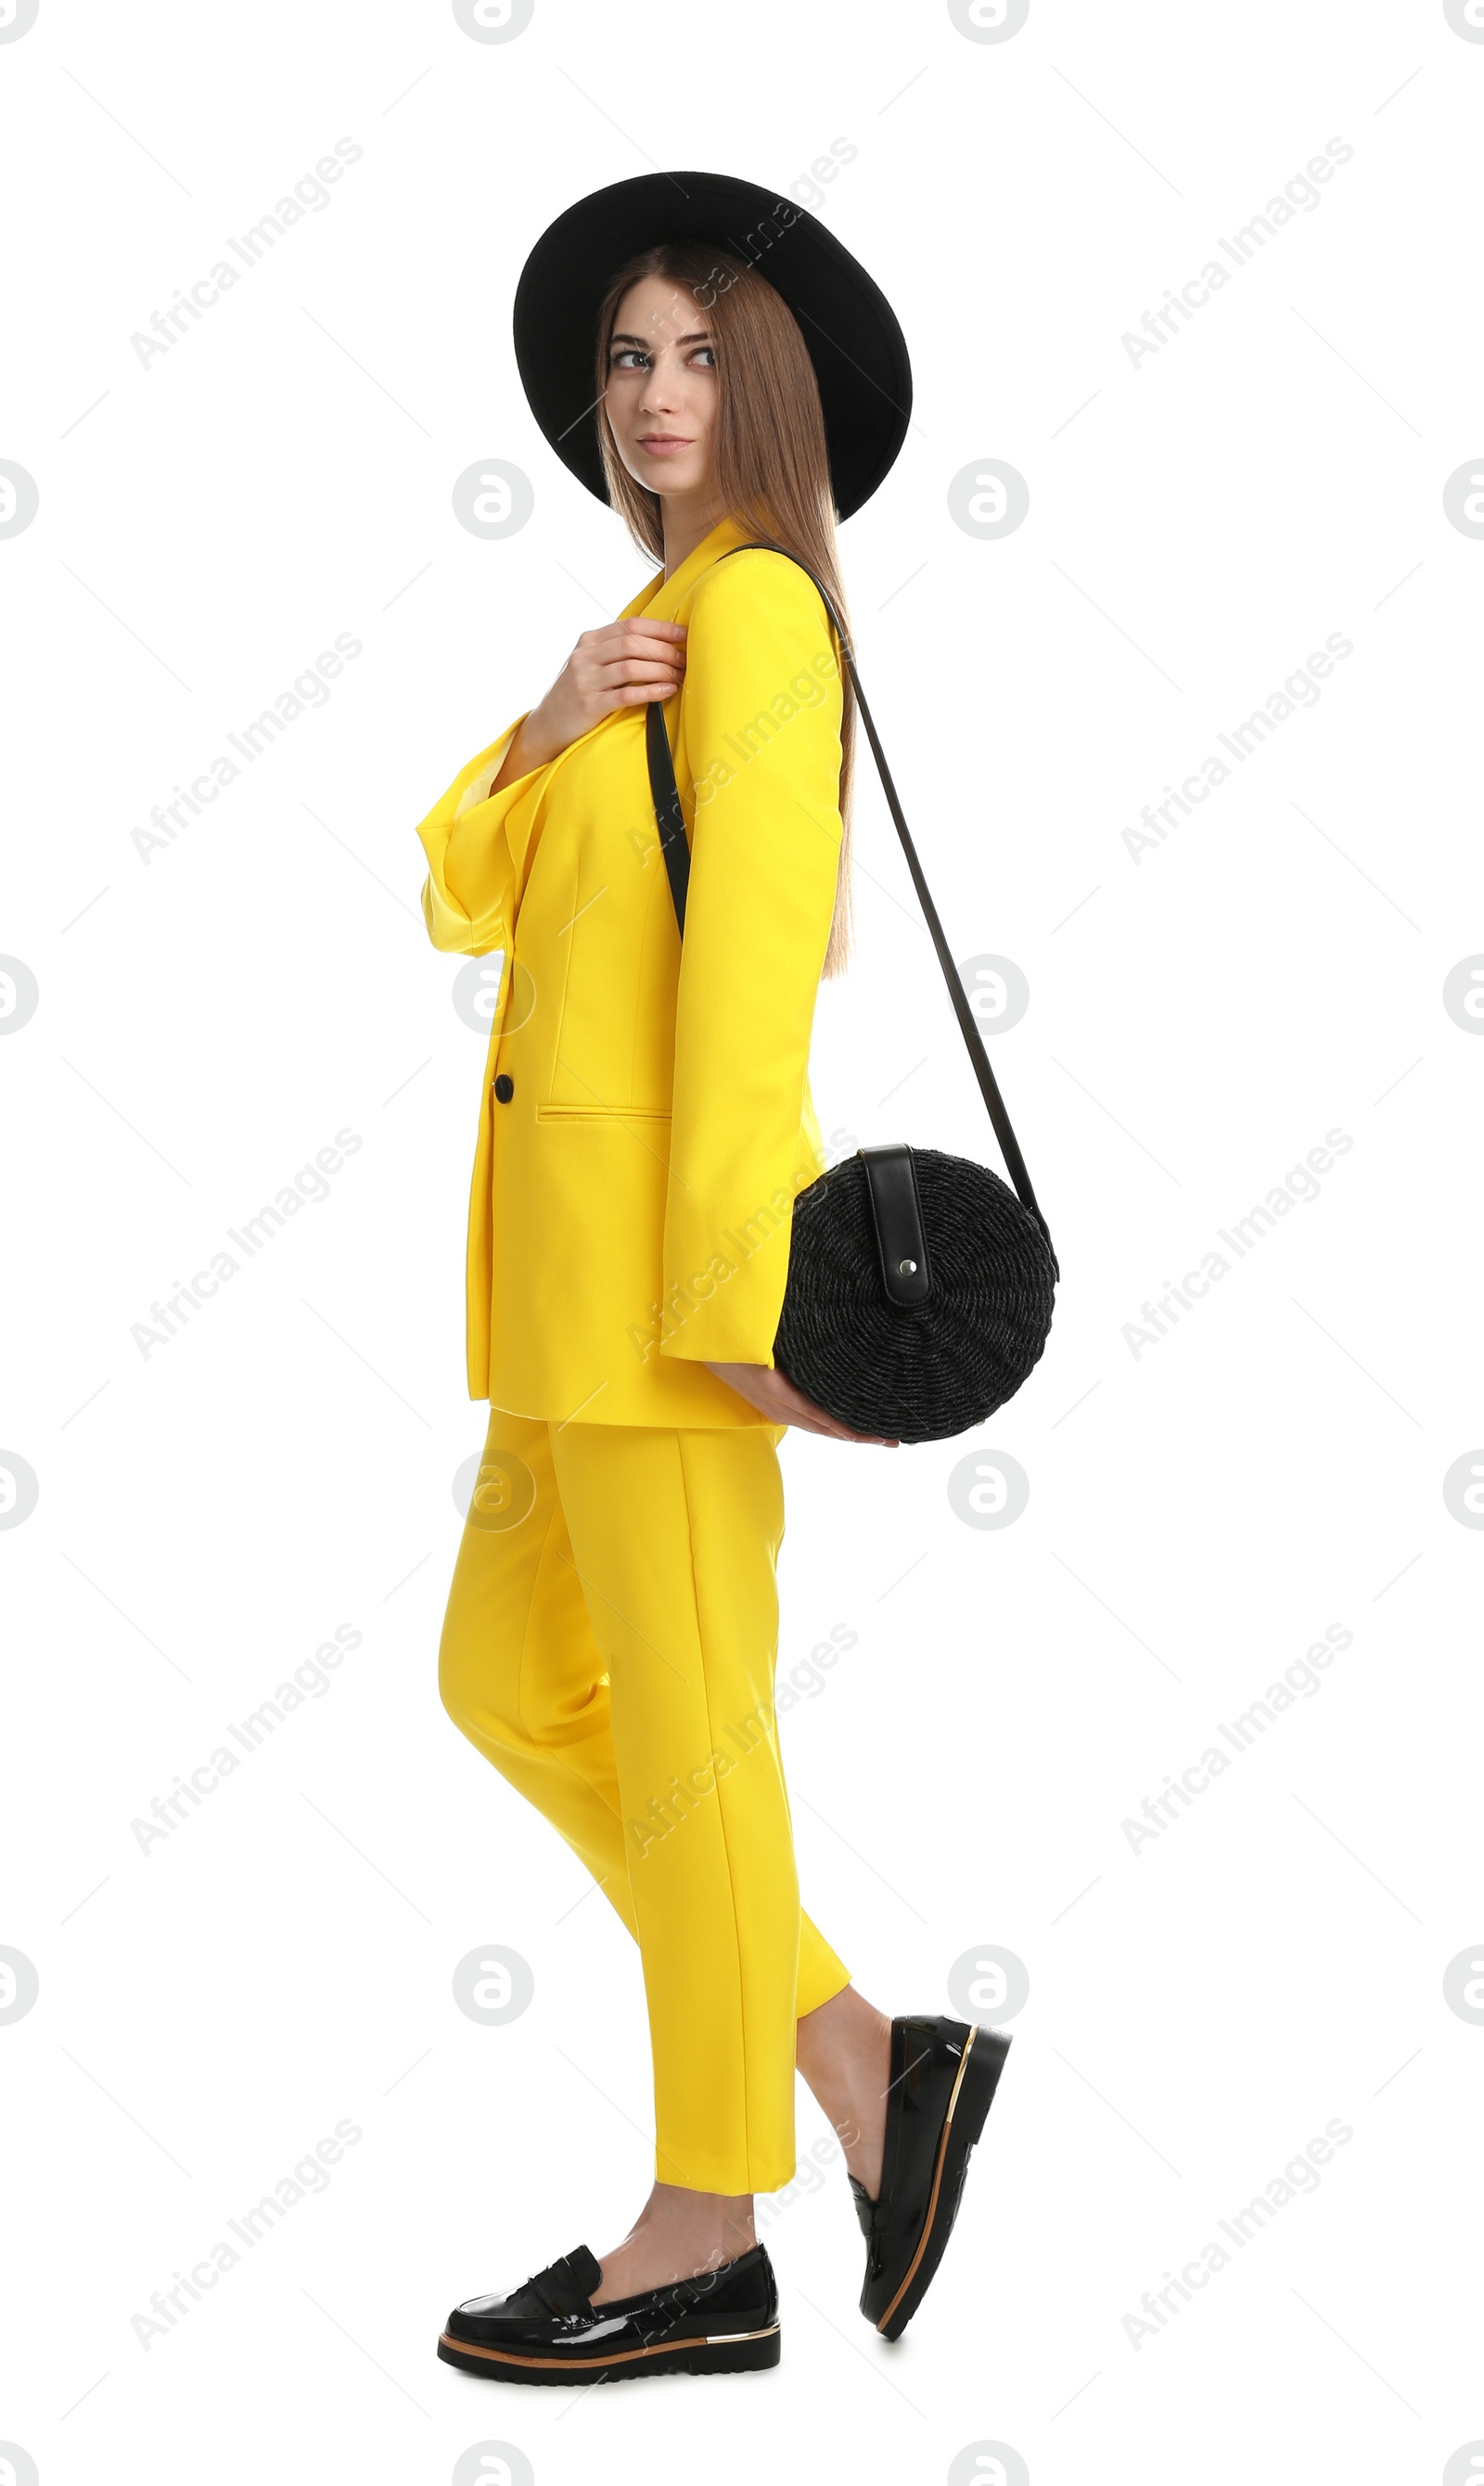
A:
[661,393]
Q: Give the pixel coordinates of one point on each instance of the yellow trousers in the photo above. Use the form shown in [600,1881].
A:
[610,1645]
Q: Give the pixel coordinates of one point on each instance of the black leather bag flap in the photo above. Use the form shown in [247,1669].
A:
[896,1212]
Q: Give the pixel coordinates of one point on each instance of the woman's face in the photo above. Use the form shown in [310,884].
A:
[662,388]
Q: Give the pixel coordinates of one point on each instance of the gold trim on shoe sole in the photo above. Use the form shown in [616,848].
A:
[932,2199]
[614,2355]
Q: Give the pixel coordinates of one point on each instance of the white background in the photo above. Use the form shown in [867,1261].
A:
[1198,1512]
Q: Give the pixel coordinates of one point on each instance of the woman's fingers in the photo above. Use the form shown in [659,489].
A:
[768,1389]
[643,669]
[818,1421]
[663,639]
[619,665]
[803,1412]
[624,651]
[633,679]
[843,1434]
[629,672]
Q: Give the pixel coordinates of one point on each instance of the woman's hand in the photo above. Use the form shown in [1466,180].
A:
[770,1391]
[623,664]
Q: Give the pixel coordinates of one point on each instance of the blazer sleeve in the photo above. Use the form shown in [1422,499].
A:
[466,894]
[762,707]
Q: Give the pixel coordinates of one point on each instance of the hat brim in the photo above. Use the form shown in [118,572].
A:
[852,334]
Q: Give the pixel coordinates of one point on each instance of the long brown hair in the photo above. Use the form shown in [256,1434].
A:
[771,462]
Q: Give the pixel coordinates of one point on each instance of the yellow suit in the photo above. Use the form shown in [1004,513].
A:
[630,1209]
[612,1627]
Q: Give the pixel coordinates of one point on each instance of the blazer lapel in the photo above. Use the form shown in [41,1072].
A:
[658,600]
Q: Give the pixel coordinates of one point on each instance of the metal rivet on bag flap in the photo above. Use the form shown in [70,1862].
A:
[908,1268]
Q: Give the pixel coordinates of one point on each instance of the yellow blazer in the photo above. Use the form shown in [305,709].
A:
[634,1176]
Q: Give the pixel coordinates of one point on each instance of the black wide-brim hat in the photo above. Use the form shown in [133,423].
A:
[853,339]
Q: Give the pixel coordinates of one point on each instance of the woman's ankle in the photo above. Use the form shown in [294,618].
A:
[844,2052]
[679,2234]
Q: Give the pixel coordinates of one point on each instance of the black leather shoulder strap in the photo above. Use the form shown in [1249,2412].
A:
[678,864]
[669,817]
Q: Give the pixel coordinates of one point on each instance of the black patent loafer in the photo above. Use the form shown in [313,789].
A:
[724,2321]
[944,2076]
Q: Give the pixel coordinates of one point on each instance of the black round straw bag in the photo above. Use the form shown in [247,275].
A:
[919,1286]
[914,1370]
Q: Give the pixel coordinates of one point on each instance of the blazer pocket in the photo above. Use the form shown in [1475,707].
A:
[602,1113]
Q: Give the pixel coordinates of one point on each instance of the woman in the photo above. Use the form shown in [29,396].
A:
[612,1625]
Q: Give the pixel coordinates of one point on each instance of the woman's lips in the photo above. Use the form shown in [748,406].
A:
[663,444]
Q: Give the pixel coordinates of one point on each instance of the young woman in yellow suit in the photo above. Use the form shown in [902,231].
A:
[645,1125]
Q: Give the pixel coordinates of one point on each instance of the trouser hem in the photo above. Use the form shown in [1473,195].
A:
[720,2175]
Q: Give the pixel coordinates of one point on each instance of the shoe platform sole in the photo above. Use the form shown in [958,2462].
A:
[742,2352]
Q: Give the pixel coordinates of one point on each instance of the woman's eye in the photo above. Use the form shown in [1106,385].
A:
[628,358]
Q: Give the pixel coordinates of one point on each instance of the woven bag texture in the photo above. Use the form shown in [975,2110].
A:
[923,1372]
